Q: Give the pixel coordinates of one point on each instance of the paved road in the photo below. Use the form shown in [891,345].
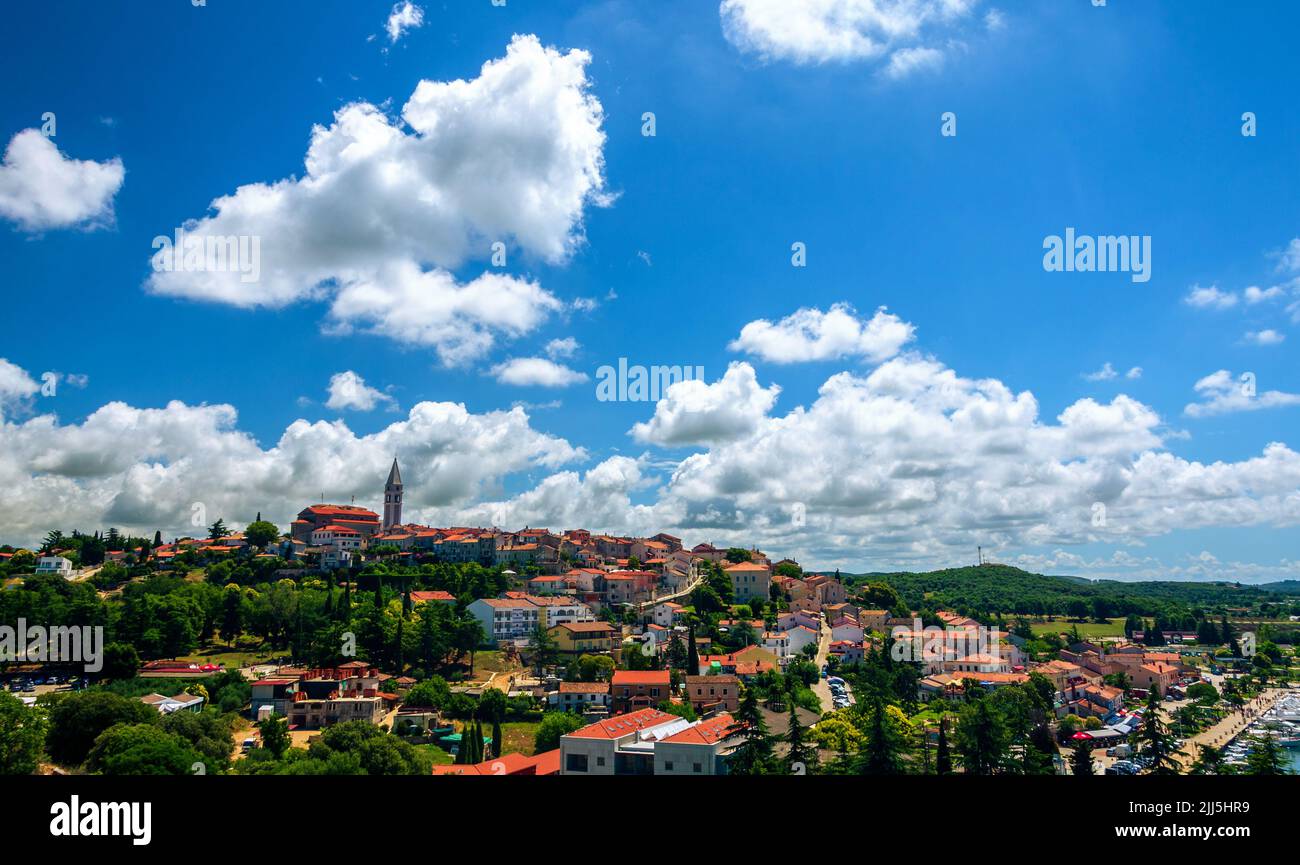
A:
[674,596]
[821,688]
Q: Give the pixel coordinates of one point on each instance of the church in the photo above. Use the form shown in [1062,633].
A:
[352,518]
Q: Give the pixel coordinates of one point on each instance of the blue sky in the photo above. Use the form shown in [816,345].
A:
[1124,119]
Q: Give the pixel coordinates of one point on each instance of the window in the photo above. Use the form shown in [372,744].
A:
[600,761]
[668,765]
[575,763]
[697,767]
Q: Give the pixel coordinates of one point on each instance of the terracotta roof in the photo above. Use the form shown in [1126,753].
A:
[621,725]
[708,732]
[584,687]
[642,677]
[424,597]
[587,627]
[342,510]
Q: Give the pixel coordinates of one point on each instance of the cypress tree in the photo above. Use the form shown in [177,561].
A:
[497,740]
[943,757]
[692,653]
[802,758]
[466,753]
[379,592]
[398,647]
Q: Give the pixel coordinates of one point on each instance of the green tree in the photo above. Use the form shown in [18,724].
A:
[544,648]
[76,721]
[121,661]
[692,652]
[886,747]
[275,735]
[433,693]
[801,758]
[232,614]
[217,531]
[1081,759]
[22,735]
[1154,739]
[553,726]
[1209,761]
[261,533]
[141,749]
[754,754]
[492,705]
[594,668]
[982,738]
[943,757]
[206,732]
[1266,757]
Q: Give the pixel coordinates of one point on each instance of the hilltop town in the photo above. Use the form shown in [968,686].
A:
[356,642]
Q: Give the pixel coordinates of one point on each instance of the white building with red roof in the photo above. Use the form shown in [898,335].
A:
[647,742]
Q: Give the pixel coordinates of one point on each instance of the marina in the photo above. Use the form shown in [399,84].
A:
[1280,722]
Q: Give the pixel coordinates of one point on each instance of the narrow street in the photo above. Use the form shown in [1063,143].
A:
[822,688]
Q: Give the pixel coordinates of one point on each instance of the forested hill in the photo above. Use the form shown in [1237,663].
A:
[1002,588]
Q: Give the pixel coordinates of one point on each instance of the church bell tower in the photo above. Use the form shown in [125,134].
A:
[393,498]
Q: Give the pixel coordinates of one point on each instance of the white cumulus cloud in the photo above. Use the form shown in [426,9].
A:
[1210,297]
[142,469]
[693,412]
[907,34]
[536,372]
[42,189]
[1223,393]
[387,207]
[809,334]
[348,390]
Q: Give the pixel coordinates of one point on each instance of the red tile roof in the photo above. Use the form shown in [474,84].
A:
[642,677]
[621,725]
[423,597]
[708,732]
